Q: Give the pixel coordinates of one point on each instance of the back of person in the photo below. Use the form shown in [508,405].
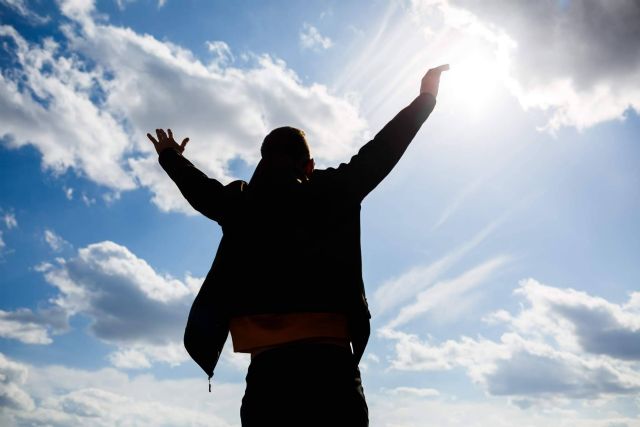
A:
[287,277]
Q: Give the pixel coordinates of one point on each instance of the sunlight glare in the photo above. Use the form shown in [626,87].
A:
[472,82]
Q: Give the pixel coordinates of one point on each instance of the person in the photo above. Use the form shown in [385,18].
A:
[286,281]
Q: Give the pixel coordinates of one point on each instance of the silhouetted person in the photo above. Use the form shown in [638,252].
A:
[287,278]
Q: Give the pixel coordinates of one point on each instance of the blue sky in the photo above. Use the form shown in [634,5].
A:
[500,256]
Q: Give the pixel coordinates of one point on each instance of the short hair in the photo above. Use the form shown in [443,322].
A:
[286,141]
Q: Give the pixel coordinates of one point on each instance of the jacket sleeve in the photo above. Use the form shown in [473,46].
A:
[378,157]
[204,194]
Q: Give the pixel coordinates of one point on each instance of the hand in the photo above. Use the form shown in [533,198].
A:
[163,142]
[431,80]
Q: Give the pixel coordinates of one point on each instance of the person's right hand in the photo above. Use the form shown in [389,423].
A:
[163,142]
[431,80]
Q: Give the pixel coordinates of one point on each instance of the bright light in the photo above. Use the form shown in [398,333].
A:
[471,83]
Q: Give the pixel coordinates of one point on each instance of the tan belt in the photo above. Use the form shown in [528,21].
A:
[257,333]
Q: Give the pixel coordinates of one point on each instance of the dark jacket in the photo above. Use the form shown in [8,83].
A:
[288,246]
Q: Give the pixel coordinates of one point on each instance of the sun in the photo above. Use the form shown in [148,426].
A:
[472,82]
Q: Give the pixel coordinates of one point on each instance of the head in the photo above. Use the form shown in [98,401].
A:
[285,150]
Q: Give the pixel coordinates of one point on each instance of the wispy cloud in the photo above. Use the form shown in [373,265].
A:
[20,6]
[399,289]
[448,296]
[10,220]
[55,242]
[310,38]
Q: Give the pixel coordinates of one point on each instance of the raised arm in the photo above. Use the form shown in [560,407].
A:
[203,193]
[378,157]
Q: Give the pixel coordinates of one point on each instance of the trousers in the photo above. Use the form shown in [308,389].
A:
[304,384]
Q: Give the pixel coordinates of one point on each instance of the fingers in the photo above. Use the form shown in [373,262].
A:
[183,144]
[152,139]
[161,134]
[170,134]
[441,68]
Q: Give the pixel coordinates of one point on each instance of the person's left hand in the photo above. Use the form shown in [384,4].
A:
[163,142]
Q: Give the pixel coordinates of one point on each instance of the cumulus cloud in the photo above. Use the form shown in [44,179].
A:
[87,103]
[13,375]
[130,305]
[575,319]
[578,60]
[566,344]
[310,38]
[32,327]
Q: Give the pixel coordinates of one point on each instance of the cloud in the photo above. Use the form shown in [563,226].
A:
[409,410]
[579,61]
[566,344]
[415,391]
[59,396]
[221,52]
[575,319]
[21,8]
[130,305]
[310,38]
[9,220]
[55,242]
[452,294]
[32,327]
[13,375]
[399,289]
[86,103]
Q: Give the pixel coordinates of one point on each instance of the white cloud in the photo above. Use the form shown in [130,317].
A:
[141,312]
[68,192]
[226,111]
[21,8]
[566,344]
[130,305]
[410,410]
[399,289]
[13,375]
[448,296]
[33,327]
[310,38]
[20,325]
[415,391]
[221,52]
[59,396]
[10,220]
[577,320]
[55,242]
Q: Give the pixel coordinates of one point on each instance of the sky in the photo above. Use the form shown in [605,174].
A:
[500,256]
